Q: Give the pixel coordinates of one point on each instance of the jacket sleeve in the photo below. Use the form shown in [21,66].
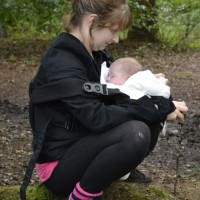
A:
[97,116]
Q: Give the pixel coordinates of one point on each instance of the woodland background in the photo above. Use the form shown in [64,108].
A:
[174,23]
[164,37]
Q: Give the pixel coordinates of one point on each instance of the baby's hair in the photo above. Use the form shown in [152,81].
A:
[109,12]
[129,65]
[134,65]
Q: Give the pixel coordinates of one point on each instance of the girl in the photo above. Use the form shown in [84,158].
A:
[89,140]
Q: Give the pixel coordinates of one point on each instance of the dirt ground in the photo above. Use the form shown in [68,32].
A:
[18,64]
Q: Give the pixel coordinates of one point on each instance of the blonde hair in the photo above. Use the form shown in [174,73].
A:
[109,12]
[128,65]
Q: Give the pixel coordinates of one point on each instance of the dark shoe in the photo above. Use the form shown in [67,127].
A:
[138,177]
[66,198]
[98,198]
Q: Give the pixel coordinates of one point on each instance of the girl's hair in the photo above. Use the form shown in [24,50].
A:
[109,12]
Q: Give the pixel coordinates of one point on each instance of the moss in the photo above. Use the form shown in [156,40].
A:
[160,193]
[38,192]
[125,191]
[117,191]
[8,193]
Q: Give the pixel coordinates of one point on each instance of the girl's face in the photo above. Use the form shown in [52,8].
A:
[102,37]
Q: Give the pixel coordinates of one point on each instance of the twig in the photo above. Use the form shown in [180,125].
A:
[180,137]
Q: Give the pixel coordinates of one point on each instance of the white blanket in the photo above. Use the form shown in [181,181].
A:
[140,84]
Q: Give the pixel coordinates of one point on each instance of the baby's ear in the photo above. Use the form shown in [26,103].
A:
[128,76]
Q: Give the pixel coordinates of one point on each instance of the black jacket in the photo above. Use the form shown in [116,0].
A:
[56,92]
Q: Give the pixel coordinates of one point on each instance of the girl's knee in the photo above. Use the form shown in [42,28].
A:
[139,130]
[137,135]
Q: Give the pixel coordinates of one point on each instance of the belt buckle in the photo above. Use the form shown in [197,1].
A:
[95,88]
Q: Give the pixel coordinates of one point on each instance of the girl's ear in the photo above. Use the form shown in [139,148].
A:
[92,19]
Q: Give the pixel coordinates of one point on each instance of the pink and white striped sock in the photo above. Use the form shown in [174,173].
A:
[80,194]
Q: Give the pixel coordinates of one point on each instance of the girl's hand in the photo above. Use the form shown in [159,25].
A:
[179,113]
[159,75]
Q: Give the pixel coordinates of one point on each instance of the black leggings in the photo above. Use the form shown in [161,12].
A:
[97,160]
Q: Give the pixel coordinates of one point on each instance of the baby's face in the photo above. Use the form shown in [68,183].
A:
[116,77]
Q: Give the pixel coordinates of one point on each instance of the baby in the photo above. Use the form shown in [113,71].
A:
[127,75]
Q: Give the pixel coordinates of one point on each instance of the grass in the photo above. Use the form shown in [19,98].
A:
[195,173]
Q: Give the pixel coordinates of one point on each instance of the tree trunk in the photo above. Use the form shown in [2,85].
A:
[3,32]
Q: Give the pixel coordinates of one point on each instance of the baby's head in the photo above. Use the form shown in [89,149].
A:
[121,69]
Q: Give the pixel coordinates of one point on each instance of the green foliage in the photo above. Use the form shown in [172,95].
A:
[143,14]
[32,17]
[179,23]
